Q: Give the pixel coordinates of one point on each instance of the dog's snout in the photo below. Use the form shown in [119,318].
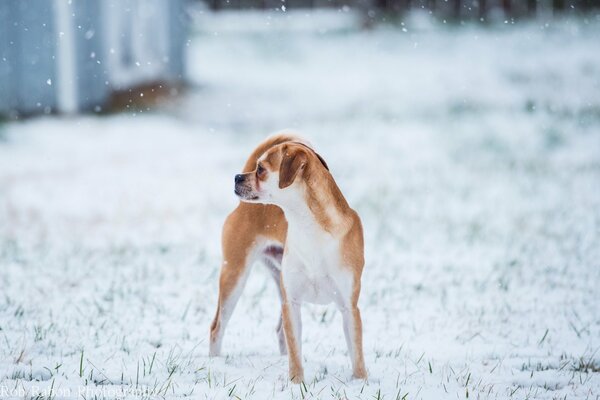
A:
[239,178]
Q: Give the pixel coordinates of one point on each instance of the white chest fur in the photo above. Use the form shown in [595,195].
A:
[311,268]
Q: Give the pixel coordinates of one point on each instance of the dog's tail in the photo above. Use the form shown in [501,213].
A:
[273,140]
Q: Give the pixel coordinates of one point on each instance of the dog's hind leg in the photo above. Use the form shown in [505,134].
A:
[272,260]
[231,284]
[238,257]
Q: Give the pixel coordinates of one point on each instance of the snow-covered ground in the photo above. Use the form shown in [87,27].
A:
[472,155]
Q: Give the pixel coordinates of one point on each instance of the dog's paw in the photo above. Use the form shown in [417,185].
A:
[296,377]
[361,373]
[214,351]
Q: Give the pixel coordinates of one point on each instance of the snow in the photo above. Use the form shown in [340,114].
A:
[471,154]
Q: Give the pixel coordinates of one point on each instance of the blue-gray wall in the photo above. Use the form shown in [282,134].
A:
[92,77]
[4,65]
[27,49]
[178,30]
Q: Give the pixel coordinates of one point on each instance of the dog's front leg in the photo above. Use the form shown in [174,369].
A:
[353,333]
[292,326]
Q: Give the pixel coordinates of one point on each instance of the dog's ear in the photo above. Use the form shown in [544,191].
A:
[322,161]
[292,162]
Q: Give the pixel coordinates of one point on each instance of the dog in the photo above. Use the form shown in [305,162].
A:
[293,217]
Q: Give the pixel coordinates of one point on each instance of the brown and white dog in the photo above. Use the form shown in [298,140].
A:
[293,217]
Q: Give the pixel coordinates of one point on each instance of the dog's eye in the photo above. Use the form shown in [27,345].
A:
[259,170]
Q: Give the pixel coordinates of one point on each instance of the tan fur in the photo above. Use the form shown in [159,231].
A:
[287,156]
[291,165]
[296,372]
[241,228]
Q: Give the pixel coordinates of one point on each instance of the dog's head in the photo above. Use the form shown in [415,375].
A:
[280,173]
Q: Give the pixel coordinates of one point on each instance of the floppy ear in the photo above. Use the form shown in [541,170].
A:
[291,164]
[322,161]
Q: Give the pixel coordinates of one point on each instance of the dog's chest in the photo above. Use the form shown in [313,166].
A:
[314,269]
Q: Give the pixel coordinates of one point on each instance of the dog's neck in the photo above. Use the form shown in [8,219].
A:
[321,203]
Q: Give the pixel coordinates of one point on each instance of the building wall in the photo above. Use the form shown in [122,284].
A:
[93,80]
[27,47]
[69,56]
[4,56]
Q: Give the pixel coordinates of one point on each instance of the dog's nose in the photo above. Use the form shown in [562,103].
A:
[239,178]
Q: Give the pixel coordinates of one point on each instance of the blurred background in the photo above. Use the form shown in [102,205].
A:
[67,57]
[465,133]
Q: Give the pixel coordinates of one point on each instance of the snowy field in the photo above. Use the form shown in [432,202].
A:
[472,155]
